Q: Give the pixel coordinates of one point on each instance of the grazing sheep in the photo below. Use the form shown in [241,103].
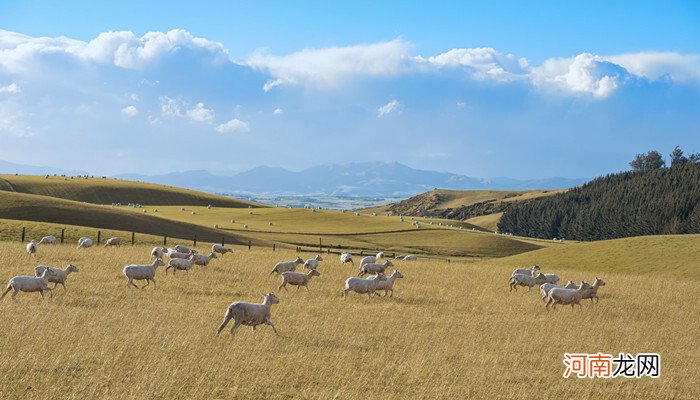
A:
[217,248]
[29,284]
[363,285]
[181,249]
[158,252]
[285,266]
[527,271]
[410,257]
[184,264]
[141,272]
[346,258]
[201,259]
[84,243]
[388,284]
[525,280]
[113,241]
[245,226]
[567,296]
[592,292]
[31,248]
[312,263]
[250,314]
[551,278]
[297,279]
[48,240]
[372,268]
[57,275]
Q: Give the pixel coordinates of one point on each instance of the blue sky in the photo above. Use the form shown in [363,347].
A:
[519,89]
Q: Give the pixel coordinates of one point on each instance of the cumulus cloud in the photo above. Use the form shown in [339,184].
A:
[129,111]
[388,108]
[12,88]
[170,108]
[585,73]
[278,111]
[234,125]
[331,66]
[657,65]
[200,113]
[481,63]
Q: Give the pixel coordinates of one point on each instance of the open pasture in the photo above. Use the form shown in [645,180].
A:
[450,330]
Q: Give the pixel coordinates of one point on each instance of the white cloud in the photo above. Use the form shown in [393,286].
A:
[234,125]
[130,112]
[656,65]
[585,73]
[14,122]
[388,108]
[482,63]
[331,66]
[170,108]
[12,88]
[278,111]
[200,113]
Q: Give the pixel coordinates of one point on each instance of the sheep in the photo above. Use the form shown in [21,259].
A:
[346,258]
[371,259]
[141,272]
[388,284]
[551,278]
[380,255]
[48,240]
[546,287]
[525,280]
[285,266]
[245,226]
[312,263]
[201,259]
[180,263]
[158,252]
[526,271]
[172,253]
[410,257]
[362,285]
[216,226]
[29,284]
[250,314]
[31,248]
[217,248]
[113,241]
[58,275]
[593,290]
[567,296]
[372,268]
[181,249]
[297,279]
[84,243]
[571,285]
[194,213]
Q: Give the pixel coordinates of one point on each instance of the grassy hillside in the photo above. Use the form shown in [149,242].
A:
[36,208]
[442,334]
[488,222]
[108,191]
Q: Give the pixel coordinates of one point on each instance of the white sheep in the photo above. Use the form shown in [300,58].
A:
[48,240]
[31,248]
[113,241]
[592,292]
[388,284]
[372,268]
[546,287]
[297,279]
[362,285]
[312,263]
[567,296]
[346,258]
[250,314]
[84,243]
[184,264]
[141,272]
[181,249]
[217,248]
[285,266]
[551,278]
[29,284]
[571,285]
[380,255]
[525,280]
[57,275]
[201,259]
[410,257]
[371,259]
[176,254]
[158,252]
[527,271]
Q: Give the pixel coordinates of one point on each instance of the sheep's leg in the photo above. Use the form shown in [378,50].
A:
[253,328]
[41,292]
[269,322]
[131,283]
[14,294]
[345,294]
[148,282]
[154,282]
[392,293]
[307,287]
[227,318]
[235,326]
[50,292]
[55,284]
[64,287]
[283,285]
[529,288]
[9,287]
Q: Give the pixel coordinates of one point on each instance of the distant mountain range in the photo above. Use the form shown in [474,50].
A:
[348,180]
[12,168]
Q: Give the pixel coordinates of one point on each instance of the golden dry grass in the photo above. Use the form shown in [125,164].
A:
[451,331]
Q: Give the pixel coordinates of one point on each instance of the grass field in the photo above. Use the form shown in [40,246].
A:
[450,331]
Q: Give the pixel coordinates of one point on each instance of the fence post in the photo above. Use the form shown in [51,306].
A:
[273,247]
[362,253]
[222,242]
[98,237]
[248,244]
[195,240]
[165,241]
[24,230]
[63,233]
[320,246]
[133,237]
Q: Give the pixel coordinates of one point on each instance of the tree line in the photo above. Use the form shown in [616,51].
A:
[649,200]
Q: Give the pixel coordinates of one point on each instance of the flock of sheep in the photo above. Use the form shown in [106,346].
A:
[182,258]
[551,293]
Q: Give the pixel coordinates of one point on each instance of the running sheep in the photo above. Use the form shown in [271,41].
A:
[388,284]
[346,258]
[372,268]
[250,314]
[297,279]
[158,252]
[201,259]
[567,296]
[142,272]
[592,292]
[184,264]
[48,240]
[312,263]
[285,266]
[217,248]
[525,280]
[28,284]
[362,285]
[57,275]
[527,271]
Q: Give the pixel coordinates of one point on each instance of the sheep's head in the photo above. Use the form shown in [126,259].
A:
[598,282]
[158,262]
[535,267]
[585,285]
[299,260]
[380,277]
[213,255]
[388,264]
[271,296]
[319,258]
[314,272]
[397,274]
[72,268]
